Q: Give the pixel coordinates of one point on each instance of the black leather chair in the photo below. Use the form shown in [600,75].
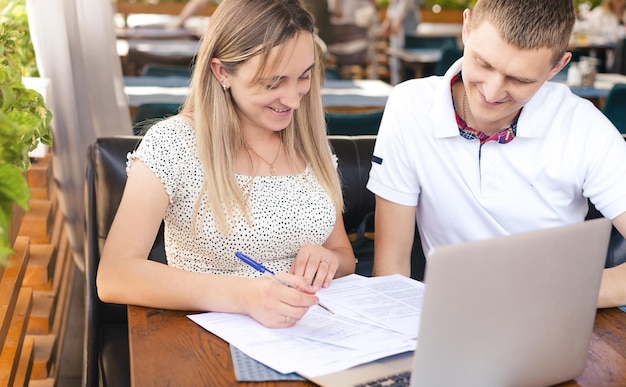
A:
[353,123]
[355,154]
[449,55]
[105,349]
[616,254]
[147,114]
[106,358]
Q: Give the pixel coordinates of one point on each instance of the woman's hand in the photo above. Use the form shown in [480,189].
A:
[316,264]
[280,301]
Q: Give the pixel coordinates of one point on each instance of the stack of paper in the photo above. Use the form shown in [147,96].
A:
[373,318]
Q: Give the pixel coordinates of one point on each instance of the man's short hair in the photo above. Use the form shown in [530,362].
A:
[529,24]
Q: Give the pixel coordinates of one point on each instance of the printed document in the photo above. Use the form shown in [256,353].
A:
[373,318]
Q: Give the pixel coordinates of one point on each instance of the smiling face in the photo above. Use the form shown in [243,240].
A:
[269,103]
[500,78]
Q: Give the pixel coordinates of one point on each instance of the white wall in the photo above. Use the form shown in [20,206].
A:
[74,44]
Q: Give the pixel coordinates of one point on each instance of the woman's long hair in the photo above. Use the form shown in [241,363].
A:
[238,31]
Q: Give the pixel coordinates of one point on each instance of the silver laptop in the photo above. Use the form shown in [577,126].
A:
[510,311]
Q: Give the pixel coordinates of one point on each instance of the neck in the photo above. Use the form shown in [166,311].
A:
[465,112]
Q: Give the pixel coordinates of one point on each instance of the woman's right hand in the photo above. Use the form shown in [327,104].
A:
[276,305]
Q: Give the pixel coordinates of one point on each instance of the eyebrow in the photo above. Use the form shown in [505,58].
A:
[278,78]
[520,79]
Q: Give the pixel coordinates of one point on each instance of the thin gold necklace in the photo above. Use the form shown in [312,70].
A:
[464,108]
[270,165]
[465,114]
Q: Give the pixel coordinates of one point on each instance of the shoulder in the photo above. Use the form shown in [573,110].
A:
[172,132]
[558,98]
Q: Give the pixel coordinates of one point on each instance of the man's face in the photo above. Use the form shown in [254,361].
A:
[500,78]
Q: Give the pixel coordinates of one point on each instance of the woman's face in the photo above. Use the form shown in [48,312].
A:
[269,103]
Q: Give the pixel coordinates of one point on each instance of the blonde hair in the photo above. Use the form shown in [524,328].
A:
[529,24]
[238,31]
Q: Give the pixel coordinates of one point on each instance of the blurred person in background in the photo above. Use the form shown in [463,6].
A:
[352,24]
[401,19]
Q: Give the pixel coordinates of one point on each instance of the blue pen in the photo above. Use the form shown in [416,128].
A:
[260,268]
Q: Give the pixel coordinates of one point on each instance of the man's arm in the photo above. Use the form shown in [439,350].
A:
[613,286]
[190,9]
[395,229]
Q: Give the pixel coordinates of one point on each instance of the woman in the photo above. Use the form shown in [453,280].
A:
[246,166]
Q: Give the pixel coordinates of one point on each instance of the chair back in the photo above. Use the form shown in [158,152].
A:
[105,348]
[615,107]
[148,113]
[355,154]
[449,55]
[350,124]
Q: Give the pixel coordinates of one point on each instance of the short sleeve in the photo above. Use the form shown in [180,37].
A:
[166,149]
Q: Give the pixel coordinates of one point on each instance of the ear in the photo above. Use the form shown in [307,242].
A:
[218,71]
[467,14]
[560,64]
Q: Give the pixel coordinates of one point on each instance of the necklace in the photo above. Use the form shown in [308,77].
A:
[270,165]
[464,108]
[465,114]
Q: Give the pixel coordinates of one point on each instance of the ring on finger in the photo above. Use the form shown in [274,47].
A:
[324,261]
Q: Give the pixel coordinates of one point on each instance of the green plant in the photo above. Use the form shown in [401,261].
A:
[591,3]
[24,118]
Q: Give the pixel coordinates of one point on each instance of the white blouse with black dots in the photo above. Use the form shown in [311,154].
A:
[287,211]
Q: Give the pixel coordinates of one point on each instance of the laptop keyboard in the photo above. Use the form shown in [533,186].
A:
[398,380]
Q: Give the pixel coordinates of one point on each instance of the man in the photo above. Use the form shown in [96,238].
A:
[491,148]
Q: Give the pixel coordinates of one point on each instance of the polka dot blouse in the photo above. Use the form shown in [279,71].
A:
[287,211]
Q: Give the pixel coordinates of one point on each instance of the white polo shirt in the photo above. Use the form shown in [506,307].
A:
[565,151]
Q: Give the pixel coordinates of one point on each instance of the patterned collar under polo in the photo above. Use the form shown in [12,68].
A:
[503,136]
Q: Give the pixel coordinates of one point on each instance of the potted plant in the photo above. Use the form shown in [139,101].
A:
[24,117]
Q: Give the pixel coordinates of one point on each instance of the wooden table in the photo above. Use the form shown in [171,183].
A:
[168,349]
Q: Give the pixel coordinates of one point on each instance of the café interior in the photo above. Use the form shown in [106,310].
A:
[112,69]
